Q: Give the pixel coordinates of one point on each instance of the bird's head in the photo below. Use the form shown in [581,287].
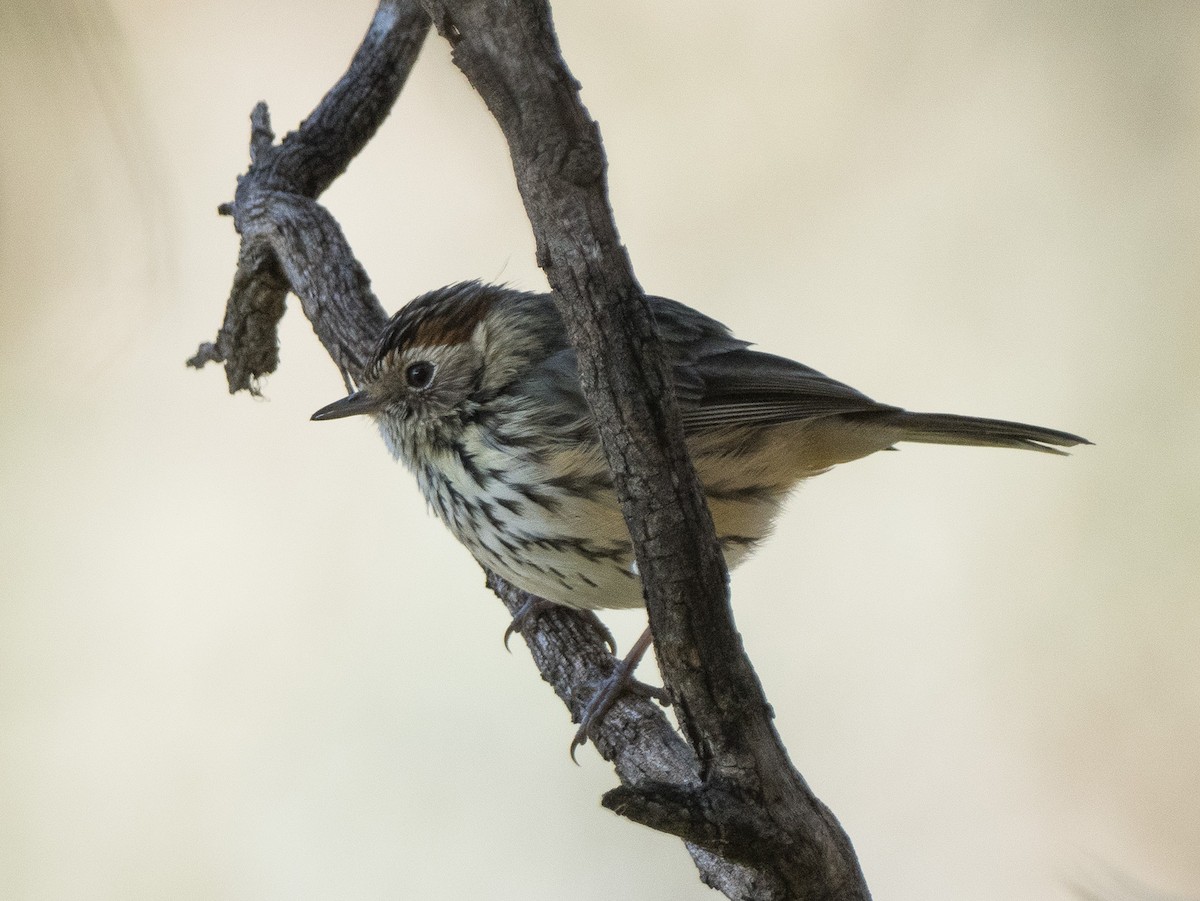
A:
[438,362]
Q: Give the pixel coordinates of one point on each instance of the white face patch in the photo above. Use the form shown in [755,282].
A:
[480,336]
[391,438]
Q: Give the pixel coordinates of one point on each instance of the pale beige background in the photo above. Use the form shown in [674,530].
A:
[239,661]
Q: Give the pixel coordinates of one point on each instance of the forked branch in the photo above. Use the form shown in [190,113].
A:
[752,825]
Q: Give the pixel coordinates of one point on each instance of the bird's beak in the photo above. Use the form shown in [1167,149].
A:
[354,405]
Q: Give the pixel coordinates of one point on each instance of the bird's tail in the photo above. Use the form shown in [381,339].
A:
[947,428]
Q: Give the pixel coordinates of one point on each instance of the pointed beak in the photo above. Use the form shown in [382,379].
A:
[354,405]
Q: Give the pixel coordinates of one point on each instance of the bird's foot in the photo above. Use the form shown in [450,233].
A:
[611,688]
[532,609]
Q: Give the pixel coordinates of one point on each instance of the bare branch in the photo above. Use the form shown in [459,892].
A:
[753,827]
[308,160]
[292,243]
[279,223]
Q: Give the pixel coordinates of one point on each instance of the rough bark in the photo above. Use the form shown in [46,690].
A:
[289,242]
[753,827]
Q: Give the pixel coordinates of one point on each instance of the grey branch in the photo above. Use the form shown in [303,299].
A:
[752,825]
[289,242]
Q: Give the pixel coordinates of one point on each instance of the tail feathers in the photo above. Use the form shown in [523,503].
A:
[947,428]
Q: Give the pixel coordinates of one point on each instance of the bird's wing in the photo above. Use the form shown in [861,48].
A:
[745,387]
[719,381]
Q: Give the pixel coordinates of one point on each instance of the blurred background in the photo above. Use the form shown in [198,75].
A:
[238,660]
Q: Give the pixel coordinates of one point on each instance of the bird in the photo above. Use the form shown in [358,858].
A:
[475,389]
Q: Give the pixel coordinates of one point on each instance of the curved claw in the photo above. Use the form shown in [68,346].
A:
[530,611]
[597,708]
[578,741]
[512,627]
[604,631]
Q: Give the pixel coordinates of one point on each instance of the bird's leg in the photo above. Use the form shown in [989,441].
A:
[610,689]
[535,607]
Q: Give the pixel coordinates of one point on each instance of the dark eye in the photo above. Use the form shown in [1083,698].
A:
[419,374]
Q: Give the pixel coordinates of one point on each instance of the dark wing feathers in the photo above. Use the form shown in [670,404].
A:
[719,381]
[745,387]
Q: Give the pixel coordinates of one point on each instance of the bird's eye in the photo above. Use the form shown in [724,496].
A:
[419,374]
